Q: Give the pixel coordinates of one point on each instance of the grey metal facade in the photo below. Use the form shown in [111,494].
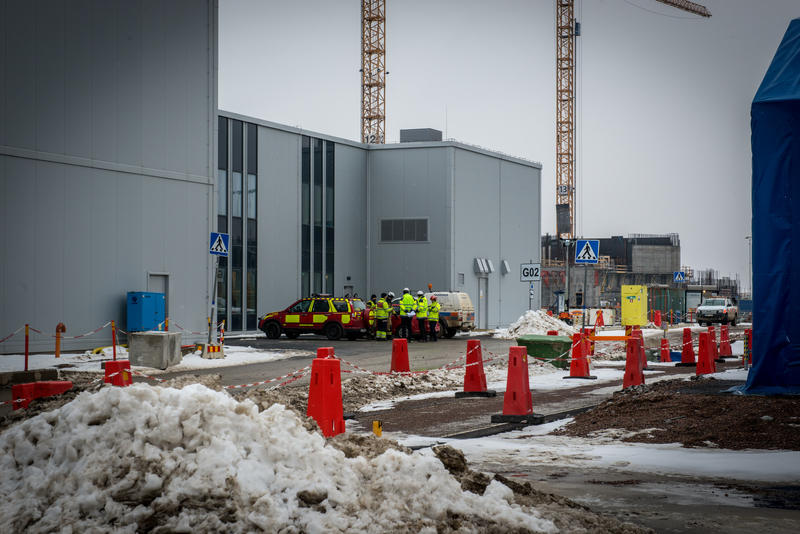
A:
[107,114]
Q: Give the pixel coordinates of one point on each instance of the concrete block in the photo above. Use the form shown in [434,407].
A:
[212,352]
[154,349]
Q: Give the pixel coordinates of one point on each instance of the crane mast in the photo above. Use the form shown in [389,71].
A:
[565,108]
[373,71]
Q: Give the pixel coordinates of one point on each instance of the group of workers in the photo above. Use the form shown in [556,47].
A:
[427,314]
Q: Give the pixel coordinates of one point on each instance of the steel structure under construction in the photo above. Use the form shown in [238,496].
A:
[373,71]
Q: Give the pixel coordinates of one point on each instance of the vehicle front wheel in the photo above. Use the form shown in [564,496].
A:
[448,331]
[333,331]
[273,330]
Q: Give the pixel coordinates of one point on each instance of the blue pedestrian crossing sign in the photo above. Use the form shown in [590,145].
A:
[219,244]
[587,250]
[679,276]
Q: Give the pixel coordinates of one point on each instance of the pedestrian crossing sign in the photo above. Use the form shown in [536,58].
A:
[587,250]
[679,276]
[219,244]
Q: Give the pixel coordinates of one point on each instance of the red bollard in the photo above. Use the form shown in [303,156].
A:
[325,393]
[517,399]
[579,363]
[114,340]
[724,342]
[118,373]
[687,352]
[657,317]
[637,333]
[599,321]
[705,355]
[665,351]
[634,375]
[400,356]
[474,375]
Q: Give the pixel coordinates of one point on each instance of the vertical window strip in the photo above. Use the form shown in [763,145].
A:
[305,217]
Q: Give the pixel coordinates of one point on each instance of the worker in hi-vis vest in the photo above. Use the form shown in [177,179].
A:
[381,316]
[407,307]
[433,315]
[422,316]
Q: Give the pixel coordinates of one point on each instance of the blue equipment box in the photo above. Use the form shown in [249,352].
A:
[145,310]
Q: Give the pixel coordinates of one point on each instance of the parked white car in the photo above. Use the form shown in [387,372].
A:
[717,310]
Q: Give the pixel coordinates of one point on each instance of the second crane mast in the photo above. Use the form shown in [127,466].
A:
[566,31]
[373,71]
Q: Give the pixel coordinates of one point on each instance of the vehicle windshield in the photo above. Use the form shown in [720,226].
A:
[358,305]
[714,302]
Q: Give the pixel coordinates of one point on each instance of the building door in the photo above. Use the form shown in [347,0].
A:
[483,303]
[159,283]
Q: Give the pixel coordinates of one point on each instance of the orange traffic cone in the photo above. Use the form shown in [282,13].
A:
[705,355]
[325,393]
[400,356]
[724,343]
[634,376]
[118,373]
[665,350]
[657,318]
[579,364]
[687,353]
[599,319]
[517,403]
[474,375]
[637,333]
[714,347]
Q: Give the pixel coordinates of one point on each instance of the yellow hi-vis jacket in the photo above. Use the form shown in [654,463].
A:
[433,310]
[407,304]
[382,310]
[422,307]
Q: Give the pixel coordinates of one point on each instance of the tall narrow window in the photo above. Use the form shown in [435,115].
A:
[329,213]
[237,230]
[305,218]
[252,214]
[317,196]
[222,215]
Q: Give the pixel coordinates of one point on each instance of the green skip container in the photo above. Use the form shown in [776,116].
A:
[552,349]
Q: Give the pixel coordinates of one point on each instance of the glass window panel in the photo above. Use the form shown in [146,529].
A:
[300,306]
[321,306]
[397,230]
[386,230]
[252,149]
[340,306]
[252,185]
[236,145]
[222,290]
[236,300]
[408,230]
[222,192]
[236,194]
[222,143]
[305,217]
[421,233]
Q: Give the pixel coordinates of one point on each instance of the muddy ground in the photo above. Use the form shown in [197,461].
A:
[696,413]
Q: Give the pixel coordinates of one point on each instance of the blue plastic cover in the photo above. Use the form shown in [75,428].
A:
[775,128]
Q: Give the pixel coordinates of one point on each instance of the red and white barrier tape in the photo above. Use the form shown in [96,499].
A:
[12,334]
[293,373]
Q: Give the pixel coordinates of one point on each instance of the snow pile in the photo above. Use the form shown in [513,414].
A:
[137,458]
[534,322]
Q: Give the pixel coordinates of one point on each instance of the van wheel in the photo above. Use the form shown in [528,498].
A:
[447,331]
[333,331]
[272,330]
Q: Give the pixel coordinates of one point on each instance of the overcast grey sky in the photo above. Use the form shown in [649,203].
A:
[664,96]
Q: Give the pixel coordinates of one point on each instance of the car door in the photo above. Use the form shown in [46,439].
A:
[297,315]
[319,313]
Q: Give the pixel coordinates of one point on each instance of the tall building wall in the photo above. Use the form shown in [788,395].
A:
[655,259]
[107,116]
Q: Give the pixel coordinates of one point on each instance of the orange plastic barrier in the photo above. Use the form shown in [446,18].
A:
[400,356]
[25,393]
[325,393]
[634,375]
[517,399]
[118,373]
[705,355]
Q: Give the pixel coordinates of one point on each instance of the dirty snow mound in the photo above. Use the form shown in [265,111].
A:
[534,322]
[141,458]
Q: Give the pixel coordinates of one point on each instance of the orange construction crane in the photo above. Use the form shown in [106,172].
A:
[373,71]
[567,30]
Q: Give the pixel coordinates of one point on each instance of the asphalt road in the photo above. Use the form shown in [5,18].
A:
[369,354]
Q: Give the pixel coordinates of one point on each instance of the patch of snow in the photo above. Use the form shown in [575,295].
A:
[195,459]
[535,322]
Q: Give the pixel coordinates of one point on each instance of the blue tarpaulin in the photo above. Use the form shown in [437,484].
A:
[775,141]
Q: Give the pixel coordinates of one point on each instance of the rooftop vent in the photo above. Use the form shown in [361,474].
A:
[415,135]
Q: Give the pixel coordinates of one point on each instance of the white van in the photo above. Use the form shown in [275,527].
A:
[456,313]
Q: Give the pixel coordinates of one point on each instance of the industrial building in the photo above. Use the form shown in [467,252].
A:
[115,165]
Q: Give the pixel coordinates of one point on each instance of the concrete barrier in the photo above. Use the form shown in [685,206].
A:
[155,349]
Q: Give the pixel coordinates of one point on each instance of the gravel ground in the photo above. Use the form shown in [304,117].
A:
[697,414]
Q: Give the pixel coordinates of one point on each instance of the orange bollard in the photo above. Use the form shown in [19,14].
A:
[579,363]
[657,317]
[634,375]
[665,350]
[637,333]
[714,348]
[114,340]
[724,343]
[517,399]
[599,321]
[400,356]
[705,355]
[687,352]
[60,329]
[474,375]
[325,393]
[118,373]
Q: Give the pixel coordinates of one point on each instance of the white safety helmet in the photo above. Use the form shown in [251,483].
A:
[419,293]
[405,290]
[390,294]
